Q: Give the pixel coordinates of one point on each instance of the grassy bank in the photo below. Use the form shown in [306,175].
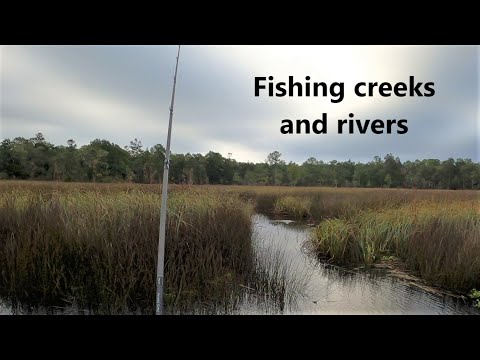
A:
[439,240]
[97,245]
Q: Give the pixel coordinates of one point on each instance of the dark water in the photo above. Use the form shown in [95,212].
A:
[317,288]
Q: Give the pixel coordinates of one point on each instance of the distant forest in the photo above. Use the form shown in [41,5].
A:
[103,161]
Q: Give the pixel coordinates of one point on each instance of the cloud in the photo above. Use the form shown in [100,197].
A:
[122,92]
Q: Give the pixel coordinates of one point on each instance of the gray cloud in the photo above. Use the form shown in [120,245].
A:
[122,92]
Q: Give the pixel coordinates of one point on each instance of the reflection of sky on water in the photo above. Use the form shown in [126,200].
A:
[338,291]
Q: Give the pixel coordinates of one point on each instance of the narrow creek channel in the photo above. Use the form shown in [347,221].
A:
[333,290]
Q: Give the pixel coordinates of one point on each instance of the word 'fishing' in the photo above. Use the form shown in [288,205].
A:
[336,90]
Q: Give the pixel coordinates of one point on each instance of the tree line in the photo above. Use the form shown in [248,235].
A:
[104,161]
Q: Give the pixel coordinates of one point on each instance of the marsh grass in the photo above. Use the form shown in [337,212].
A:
[97,246]
[276,280]
[296,207]
[439,240]
[320,203]
[93,247]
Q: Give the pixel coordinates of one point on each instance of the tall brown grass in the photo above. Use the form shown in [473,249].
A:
[317,203]
[439,240]
[97,245]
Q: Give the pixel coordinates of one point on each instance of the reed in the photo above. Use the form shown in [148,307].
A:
[277,281]
[439,240]
[319,203]
[295,206]
[97,246]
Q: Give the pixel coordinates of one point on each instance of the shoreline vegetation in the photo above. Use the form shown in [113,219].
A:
[95,245]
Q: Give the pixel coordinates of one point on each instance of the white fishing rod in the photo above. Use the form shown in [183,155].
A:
[163,212]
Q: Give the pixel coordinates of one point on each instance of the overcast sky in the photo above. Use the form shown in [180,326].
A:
[122,92]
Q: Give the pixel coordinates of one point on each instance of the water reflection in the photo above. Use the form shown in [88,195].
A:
[333,290]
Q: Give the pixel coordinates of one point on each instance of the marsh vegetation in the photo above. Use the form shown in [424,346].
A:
[95,245]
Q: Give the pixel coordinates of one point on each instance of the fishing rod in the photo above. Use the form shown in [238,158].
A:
[163,212]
